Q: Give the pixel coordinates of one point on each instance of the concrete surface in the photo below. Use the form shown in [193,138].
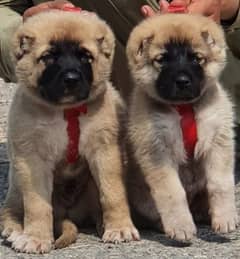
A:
[88,246]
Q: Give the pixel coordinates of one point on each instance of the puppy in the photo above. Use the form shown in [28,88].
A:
[176,59]
[63,61]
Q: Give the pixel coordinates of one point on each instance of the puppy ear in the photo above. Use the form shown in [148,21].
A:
[23,45]
[137,47]
[144,45]
[208,38]
[106,44]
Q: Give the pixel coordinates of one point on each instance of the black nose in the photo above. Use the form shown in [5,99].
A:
[71,77]
[183,82]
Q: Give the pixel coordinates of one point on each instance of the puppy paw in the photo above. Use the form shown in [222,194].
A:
[181,230]
[225,223]
[10,230]
[14,235]
[29,244]
[122,234]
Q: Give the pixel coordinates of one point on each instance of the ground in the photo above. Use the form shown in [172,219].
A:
[153,245]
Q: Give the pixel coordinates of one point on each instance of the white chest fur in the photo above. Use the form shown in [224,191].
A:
[58,140]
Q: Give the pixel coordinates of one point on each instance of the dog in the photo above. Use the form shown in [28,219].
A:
[63,65]
[175,61]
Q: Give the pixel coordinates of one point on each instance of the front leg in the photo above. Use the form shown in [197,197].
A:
[106,168]
[219,169]
[11,213]
[170,201]
[35,179]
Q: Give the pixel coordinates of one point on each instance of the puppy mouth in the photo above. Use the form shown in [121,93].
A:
[69,100]
[184,96]
[67,87]
[182,88]
[73,97]
[67,96]
[178,95]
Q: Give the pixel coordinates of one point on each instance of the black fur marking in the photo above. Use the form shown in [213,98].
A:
[68,72]
[182,77]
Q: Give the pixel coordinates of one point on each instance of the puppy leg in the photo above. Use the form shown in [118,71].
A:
[68,236]
[106,168]
[170,199]
[11,214]
[220,187]
[35,178]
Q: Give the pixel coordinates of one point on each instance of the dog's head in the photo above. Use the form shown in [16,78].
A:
[174,58]
[63,58]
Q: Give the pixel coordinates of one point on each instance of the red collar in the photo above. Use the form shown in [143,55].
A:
[71,9]
[177,8]
[71,116]
[189,127]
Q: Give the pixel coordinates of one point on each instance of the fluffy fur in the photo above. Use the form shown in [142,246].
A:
[166,188]
[92,189]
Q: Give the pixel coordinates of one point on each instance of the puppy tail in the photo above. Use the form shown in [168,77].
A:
[68,236]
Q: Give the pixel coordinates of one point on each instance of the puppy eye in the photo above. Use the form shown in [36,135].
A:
[157,61]
[48,58]
[86,59]
[199,59]
[202,60]
[85,56]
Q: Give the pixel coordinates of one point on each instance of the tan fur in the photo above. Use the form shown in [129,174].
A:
[37,140]
[164,186]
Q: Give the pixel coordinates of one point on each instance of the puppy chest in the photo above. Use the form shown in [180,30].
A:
[191,136]
[77,136]
[167,135]
[58,141]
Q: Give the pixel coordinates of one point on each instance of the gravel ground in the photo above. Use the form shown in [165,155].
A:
[88,246]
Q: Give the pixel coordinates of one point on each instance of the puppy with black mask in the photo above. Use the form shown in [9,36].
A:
[63,135]
[180,137]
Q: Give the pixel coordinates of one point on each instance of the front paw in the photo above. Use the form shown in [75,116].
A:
[225,222]
[10,233]
[120,234]
[25,243]
[10,228]
[180,228]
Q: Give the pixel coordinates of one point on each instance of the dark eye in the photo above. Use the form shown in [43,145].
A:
[159,60]
[86,59]
[48,57]
[199,59]
[84,56]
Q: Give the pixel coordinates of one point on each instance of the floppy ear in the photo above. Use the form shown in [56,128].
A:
[137,47]
[143,46]
[208,38]
[106,44]
[23,45]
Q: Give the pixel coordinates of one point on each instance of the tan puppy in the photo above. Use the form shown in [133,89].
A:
[63,60]
[177,59]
